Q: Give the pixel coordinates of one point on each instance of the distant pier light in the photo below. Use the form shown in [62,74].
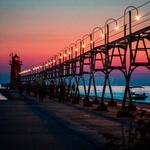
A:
[138,17]
[46,65]
[102,35]
[83,45]
[61,57]
[76,49]
[117,28]
[49,63]
[65,55]
[91,41]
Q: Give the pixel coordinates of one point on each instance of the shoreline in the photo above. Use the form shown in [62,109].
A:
[146,106]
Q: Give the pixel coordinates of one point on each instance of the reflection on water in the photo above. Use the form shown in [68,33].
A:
[118,92]
[2,97]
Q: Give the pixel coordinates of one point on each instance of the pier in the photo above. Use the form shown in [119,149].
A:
[115,46]
[28,123]
[49,106]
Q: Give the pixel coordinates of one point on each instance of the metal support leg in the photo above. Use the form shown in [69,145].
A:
[110,89]
[84,86]
[103,92]
[95,91]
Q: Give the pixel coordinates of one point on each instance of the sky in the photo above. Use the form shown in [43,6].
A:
[38,29]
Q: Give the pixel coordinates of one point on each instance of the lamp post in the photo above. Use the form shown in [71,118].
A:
[65,53]
[71,55]
[102,106]
[53,64]
[53,61]
[130,8]
[51,67]
[128,71]
[64,59]
[60,58]
[76,47]
[71,50]
[83,43]
[107,28]
[107,35]
[92,36]
[50,63]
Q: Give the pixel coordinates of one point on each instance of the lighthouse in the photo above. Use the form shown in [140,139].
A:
[15,64]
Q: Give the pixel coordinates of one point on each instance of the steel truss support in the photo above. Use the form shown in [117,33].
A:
[92,79]
[106,82]
[141,47]
[77,91]
[138,42]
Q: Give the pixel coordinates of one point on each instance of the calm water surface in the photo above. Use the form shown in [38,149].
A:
[118,92]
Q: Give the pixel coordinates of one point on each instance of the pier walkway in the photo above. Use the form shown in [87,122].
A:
[28,124]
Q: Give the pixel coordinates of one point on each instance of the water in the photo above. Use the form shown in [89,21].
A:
[118,92]
[2,97]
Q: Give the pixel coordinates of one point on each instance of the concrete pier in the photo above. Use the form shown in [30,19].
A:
[26,125]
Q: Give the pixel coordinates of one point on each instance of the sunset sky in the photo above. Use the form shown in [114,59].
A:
[37,29]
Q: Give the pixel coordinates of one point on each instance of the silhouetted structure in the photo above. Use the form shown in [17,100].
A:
[105,49]
[15,64]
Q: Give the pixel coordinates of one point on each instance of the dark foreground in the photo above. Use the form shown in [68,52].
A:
[26,125]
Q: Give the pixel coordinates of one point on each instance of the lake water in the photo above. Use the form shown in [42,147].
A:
[2,97]
[118,92]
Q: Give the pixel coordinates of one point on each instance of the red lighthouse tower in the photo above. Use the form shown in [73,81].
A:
[15,64]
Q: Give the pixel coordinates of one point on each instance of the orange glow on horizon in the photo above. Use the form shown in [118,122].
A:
[38,33]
